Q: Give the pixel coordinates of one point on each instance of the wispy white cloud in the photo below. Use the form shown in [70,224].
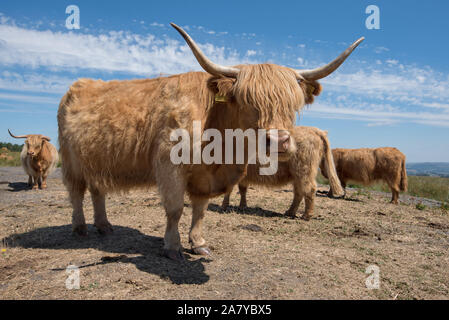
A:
[116,51]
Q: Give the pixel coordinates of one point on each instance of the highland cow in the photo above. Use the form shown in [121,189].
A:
[367,166]
[312,149]
[39,158]
[115,135]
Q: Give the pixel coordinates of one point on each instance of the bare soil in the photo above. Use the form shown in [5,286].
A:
[256,253]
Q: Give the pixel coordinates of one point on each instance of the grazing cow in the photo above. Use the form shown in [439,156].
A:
[312,149]
[366,166]
[116,135]
[39,158]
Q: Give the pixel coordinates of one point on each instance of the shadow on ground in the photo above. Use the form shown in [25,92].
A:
[257,211]
[18,186]
[124,240]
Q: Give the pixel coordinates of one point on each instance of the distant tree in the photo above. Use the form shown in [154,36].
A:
[11,147]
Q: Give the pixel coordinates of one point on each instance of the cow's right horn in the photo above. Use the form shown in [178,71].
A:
[204,61]
[17,137]
[319,73]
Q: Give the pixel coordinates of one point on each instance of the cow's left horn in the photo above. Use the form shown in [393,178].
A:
[17,137]
[319,73]
[204,61]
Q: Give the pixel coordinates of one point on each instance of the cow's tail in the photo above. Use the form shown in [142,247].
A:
[404,184]
[336,189]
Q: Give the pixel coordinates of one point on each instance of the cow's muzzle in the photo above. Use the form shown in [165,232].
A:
[282,139]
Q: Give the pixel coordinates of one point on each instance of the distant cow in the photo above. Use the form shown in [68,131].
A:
[312,149]
[115,135]
[39,158]
[366,166]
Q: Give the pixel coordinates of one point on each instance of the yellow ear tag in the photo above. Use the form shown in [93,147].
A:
[220,98]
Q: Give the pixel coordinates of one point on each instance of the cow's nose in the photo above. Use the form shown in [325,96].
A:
[31,153]
[281,138]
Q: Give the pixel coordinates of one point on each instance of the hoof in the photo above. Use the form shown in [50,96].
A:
[175,255]
[202,251]
[104,229]
[290,214]
[80,230]
[35,187]
[306,217]
[44,186]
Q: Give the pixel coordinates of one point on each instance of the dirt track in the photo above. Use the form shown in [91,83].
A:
[257,253]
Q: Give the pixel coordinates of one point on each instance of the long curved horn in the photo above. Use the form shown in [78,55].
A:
[204,61]
[319,73]
[17,137]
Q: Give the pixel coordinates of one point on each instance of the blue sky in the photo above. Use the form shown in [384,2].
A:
[392,91]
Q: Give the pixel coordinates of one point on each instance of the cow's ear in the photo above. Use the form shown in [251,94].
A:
[222,87]
[45,138]
[311,89]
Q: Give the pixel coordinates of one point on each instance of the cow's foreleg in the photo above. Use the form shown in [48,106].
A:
[225,203]
[243,189]
[297,198]
[100,218]
[196,239]
[44,182]
[30,181]
[35,182]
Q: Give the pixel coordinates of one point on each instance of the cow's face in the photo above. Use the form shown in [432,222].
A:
[34,144]
[265,96]
[268,95]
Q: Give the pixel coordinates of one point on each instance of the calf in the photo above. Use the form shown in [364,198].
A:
[312,149]
[366,166]
[39,157]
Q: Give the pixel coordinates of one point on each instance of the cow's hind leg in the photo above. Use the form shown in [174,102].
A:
[100,218]
[172,188]
[309,201]
[196,239]
[394,195]
[76,195]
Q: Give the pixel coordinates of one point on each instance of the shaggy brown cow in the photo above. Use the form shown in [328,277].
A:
[366,166]
[39,157]
[312,149]
[116,135]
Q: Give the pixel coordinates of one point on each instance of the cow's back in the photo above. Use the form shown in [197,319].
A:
[356,165]
[110,133]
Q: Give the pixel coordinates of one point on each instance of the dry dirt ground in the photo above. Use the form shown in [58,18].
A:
[257,253]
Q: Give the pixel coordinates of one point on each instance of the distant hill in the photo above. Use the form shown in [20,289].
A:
[440,169]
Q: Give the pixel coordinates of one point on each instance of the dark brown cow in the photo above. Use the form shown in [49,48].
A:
[366,166]
[116,135]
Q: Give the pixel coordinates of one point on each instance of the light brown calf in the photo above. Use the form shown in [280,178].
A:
[312,149]
[39,158]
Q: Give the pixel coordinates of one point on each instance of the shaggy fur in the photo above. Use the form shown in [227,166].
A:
[366,166]
[114,136]
[312,149]
[42,163]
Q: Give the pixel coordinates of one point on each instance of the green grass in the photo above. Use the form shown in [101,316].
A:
[12,158]
[436,188]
